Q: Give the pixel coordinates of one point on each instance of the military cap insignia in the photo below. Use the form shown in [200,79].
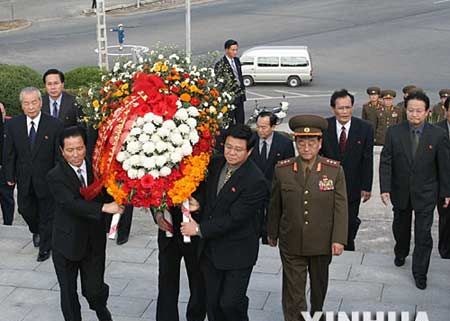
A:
[326,184]
[306,129]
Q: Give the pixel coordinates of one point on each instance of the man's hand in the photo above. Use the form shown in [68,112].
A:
[163,224]
[365,196]
[189,228]
[112,208]
[272,242]
[194,205]
[11,183]
[385,198]
[337,249]
[446,202]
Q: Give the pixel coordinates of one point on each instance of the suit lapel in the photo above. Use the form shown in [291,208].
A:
[24,133]
[40,134]
[423,141]
[213,180]
[405,138]
[273,148]
[232,181]
[332,136]
[73,181]
[352,135]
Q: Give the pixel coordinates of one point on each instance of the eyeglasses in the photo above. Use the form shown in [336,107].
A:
[233,148]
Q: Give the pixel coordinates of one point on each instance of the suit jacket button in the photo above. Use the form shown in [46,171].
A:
[306,192]
[306,202]
[306,212]
[306,222]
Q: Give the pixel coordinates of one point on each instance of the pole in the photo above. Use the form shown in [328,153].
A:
[138,3]
[102,43]
[188,28]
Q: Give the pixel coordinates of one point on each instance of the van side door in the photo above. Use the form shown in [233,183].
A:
[267,68]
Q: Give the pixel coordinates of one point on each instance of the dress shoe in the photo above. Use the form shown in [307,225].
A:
[399,261]
[43,256]
[36,240]
[122,240]
[103,314]
[421,283]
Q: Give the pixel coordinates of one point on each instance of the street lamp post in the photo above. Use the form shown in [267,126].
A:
[102,43]
[188,28]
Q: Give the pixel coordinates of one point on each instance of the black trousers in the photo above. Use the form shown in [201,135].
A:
[226,292]
[6,200]
[38,214]
[444,230]
[423,241]
[353,224]
[93,287]
[171,251]
[295,271]
[238,112]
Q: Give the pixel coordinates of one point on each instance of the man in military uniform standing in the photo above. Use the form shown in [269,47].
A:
[370,108]
[407,90]
[438,112]
[307,216]
[387,116]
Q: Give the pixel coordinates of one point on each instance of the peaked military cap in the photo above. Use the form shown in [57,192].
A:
[444,93]
[408,89]
[373,90]
[308,125]
[388,93]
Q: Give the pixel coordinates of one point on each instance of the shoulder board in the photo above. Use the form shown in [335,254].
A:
[285,162]
[330,162]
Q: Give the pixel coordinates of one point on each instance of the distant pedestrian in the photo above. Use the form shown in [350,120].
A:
[94,4]
[6,191]
[120,35]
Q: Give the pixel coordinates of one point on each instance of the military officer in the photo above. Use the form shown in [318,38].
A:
[438,112]
[406,91]
[370,108]
[307,217]
[386,116]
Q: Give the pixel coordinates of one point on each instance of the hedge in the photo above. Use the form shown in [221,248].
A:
[82,77]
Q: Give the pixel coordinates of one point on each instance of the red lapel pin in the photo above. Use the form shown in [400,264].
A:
[430,146]
[359,142]
[45,137]
[233,189]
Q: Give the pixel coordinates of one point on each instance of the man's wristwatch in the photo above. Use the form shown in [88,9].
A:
[197,231]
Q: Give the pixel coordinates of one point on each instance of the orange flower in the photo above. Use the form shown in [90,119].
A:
[214,92]
[185,97]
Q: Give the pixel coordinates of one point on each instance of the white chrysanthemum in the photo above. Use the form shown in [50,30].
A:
[149,162]
[134,147]
[212,109]
[132,173]
[139,122]
[157,119]
[135,131]
[181,114]
[141,173]
[116,67]
[163,132]
[135,160]
[193,111]
[176,139]
[126,165]
[155,138]
[149,128]
[154,173]
[192,122]
[148,118]
[161,160]
[185,129]
[169,124]
[165,171]
[161,146]
[149,147]
[176,156]
[194,138]
[186,149]
[160,57]
[179,103]
[122,156]
[143,138]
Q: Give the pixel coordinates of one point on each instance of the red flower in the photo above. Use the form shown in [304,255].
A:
[147,181]
[175,89]
[186,75]
[195,101]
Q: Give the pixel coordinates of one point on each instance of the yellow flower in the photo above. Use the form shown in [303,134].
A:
[224,110]
[164,68]
[118,93]
[157,67]
[95,104]
[124,87]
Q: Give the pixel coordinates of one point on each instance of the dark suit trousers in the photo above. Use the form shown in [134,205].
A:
[353,224]
[171,251]
[226,292]
[38,214]
[444,230]
[295,270]
[6,200]
[423,241]
[238,112]
[93,287]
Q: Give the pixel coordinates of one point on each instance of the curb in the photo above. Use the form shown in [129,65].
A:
[26,25]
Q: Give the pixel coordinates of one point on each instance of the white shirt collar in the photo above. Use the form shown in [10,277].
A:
[58,100]
[83,169]
[339,128]
[35,120]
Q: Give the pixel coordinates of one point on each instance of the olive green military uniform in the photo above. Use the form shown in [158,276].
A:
[438,112]
[369,111]
[401,105]
[386,116]
[307,214]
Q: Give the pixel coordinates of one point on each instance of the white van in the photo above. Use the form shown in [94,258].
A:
[288,64]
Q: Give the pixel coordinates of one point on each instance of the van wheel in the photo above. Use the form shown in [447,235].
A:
[294,81]
[248,81]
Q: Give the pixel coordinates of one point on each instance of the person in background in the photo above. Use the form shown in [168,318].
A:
[370,109]
[387,116]
[6,191]
[438,112]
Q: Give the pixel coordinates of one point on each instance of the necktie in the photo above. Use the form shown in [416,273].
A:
[32,135]
[415,142]
[228,174]
[55,109]
[264,153]
[342,140]
[233,66]
[81,178]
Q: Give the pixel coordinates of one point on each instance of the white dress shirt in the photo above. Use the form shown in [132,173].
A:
[83,171]
[339,129]
[35,121]
[268,142]
[58,104]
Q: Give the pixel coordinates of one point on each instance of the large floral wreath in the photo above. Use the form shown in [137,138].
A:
[156,125]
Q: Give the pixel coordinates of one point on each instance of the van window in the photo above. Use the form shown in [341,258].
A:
[247,61]
[294,62]
[268,62]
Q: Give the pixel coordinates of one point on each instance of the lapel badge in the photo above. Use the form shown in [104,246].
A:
[278,154]
[326,184]
[45,137]
[233,189]
[430,147]
[359,142]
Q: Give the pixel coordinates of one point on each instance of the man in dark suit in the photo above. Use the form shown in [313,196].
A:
[229,69]
[6,191]
[57,102]
[229,201]
[350,140]
[270,148]
[30,152]
[172,249]
[414,172]
[444,213]
[79,235]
